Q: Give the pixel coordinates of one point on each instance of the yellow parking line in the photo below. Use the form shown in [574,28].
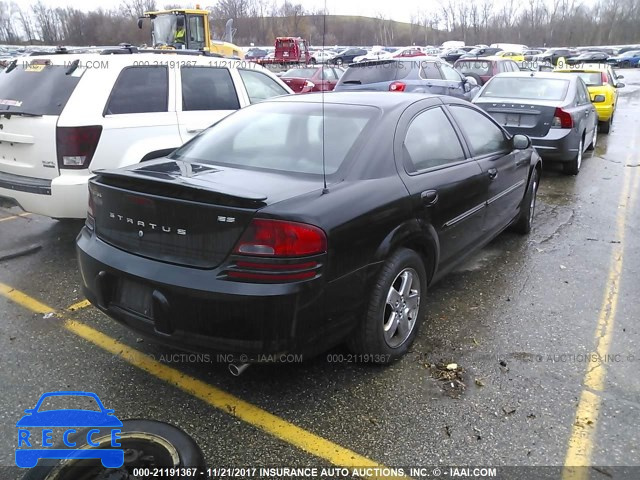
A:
[255,416]
[581,442]
[79,306]
[13,217]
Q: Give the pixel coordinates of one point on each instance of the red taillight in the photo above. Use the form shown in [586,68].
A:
[76,145]
[277,238]
[562,119]
[604,77]
[397,87]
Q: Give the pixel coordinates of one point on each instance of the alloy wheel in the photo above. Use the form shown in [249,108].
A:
[401,308]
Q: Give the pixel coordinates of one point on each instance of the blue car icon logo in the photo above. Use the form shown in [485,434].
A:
[32,447]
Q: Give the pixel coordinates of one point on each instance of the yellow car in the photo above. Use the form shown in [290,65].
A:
[602,83]
[515,56]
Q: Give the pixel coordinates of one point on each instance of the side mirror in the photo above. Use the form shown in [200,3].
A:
[471,81]
[521,142]
[140,23]
[619,85]
[620,77]
[598,99]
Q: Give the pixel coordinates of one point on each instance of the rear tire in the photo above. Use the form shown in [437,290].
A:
[396,306]
[527,210]
[573,167]
[605,126]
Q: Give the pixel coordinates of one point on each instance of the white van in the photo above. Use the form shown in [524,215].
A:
[63,116]
[453,44]
[510,47]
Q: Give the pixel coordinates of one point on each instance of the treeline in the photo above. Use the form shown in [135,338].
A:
[532,22]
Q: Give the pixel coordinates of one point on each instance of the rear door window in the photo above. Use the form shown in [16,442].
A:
[140,90]
[208,88]
[260,86]
[429,71]
[484,136]
[37,89]
[431,142]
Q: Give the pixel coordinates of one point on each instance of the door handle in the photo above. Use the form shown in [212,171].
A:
[194,129]
[429,197]
[493,173]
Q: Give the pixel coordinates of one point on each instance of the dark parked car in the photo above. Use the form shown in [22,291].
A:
[452,55]
[255,54]
[630,58]
[553,54]
[588,57]
[236,242]
[481,52]
[553,109]
[312,79]
[346,56]
[628,49]
[482,69]
[419,75]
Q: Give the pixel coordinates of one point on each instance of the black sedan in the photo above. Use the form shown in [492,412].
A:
[588,57]
[553,109]
[294,225]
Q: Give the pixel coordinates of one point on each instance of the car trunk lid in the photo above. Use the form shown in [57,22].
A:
[533,119]
[184,213]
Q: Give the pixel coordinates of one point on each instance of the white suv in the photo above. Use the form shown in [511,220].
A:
[63,116]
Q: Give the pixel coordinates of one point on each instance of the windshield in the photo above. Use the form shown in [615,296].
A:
[300,72]
[474,66]
[631,53]
[164,29]
[37,89]
[526,88]
[282,137]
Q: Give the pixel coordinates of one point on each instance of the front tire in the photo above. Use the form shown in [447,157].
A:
[573,167]
[395,308]
[339,62]
[527,210]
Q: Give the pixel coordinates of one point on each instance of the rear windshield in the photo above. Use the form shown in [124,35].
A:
[474,66]
[527,88]
[592,79]
[282,137]
[300,72]
[375,72]
[36,89]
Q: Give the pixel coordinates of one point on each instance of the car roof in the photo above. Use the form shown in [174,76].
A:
[549,75]
[382,100]
[142,59]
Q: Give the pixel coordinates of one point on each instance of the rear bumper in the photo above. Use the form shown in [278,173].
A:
[196,310]
[558,145]
[65,196]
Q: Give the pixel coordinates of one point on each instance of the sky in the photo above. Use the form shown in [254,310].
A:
[388,8]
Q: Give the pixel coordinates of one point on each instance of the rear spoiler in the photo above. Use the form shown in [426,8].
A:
[176,186]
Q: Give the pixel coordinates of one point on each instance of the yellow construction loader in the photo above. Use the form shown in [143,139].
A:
[188,29]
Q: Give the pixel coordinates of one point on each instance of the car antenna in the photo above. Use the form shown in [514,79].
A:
[324,167]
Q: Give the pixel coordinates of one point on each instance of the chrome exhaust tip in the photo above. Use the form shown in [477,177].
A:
[237,369]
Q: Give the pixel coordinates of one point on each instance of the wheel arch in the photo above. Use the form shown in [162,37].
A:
[417,236]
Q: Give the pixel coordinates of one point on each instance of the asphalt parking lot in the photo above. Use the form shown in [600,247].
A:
[544,329]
